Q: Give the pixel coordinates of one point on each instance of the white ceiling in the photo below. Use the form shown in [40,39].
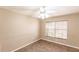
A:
[51,11]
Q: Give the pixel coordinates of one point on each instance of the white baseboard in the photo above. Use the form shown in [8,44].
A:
[61,43]
[45,40]
[25,45]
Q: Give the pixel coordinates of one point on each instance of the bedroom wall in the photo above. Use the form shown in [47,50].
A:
[17,30]
[73,30]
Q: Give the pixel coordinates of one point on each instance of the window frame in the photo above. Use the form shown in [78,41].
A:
[57,29]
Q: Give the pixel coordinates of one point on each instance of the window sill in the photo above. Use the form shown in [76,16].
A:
[56,38]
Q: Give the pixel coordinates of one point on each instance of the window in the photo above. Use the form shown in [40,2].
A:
[57,29]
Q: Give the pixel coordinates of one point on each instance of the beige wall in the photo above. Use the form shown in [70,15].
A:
[16,30]
[73,30]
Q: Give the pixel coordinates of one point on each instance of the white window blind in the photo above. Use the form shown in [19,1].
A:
[56,29]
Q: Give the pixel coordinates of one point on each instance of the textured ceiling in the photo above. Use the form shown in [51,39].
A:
[51,11]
